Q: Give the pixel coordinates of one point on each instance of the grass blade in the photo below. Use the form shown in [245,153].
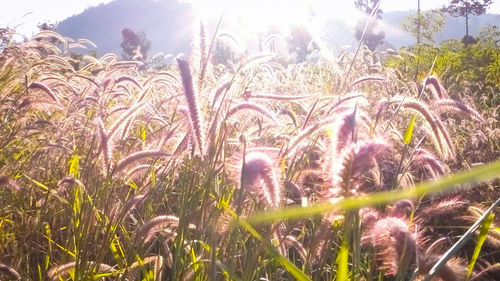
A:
[480,241]
[460,243]
[409,131]
[483,173]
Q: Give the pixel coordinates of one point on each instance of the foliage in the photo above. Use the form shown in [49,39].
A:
[430,22]
[466,8]
[461,8]
[366,26]
[368,7]
[467,66]
[135,45]
[298,42]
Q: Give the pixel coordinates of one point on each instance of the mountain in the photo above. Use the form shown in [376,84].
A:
[168,25]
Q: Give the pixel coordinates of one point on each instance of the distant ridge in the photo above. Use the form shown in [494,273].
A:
[168,24]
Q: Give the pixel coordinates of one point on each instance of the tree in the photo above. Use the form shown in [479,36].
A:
[424,25]
[371,39]
[47,26]
[465,8]
[368,6]
[135,45]
[298,41]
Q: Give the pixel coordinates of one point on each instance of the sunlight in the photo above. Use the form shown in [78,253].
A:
[279,15]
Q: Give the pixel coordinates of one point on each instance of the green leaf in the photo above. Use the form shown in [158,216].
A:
[38,183]
[409,131]
[480,241]
[74,169]
[483,173]
[77,204]
[343,262]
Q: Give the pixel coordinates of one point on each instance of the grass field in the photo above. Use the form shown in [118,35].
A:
[257,169]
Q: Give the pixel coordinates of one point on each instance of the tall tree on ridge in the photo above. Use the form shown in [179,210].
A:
[466,8]
[372,39]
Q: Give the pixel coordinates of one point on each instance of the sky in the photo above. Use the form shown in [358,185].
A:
[25,15]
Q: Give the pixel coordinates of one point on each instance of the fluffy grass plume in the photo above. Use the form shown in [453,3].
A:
[258,173]
[192,100]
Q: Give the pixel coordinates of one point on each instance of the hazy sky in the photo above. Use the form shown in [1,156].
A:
[26,14]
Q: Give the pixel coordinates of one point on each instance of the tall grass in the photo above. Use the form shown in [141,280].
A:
[110,170]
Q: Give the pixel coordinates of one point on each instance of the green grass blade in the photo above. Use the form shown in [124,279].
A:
[74,167]
[343,262]
[409,131]
[480,241]
[288,265]
[483,173]
[460,243]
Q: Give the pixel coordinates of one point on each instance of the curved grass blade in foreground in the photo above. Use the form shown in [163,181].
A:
[483,173]
[461,242]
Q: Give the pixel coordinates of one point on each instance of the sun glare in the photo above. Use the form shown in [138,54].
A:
[279,15]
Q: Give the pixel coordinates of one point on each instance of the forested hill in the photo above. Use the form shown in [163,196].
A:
[168,23]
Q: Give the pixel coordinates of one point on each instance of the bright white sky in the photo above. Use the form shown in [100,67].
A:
[28,13]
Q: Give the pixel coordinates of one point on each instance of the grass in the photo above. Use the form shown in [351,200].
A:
[111,170]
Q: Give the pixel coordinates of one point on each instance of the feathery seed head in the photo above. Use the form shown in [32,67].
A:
[192,100]
[258,173]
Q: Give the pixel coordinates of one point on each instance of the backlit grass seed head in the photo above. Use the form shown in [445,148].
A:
[254,107]
[435,86]
[124,117]
[444,208]
[149,229]
[192,100]
[136,156]
[444,105]
[476,211]
[105,147]
[164,222]
[346,129]
[488,273]
[10,272]
[291,241]
[128,207]
[203,55]
[402,209]
[429,161]
[354,163]
[394,244]
[368,217]
[45,89]
[64,185]
[381,106]
[438,130]
[447,138]
[258,173]
[6,181]
[55,273]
